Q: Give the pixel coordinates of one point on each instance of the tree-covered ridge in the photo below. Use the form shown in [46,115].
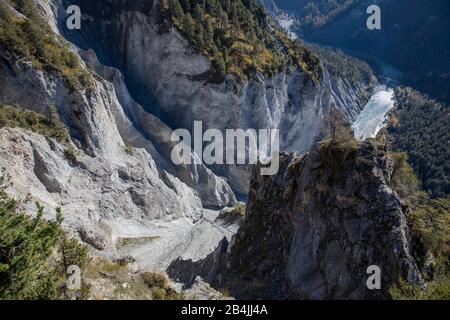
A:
[239,38]
[343,66]
[429,224]
[411,38]
[315,13]
[25,34]
[421,127]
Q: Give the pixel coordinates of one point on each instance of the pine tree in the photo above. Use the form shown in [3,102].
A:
[199,13]
[226,56]
[226,5]
[25,245]
[199,36]
[209,33]
[224,21]
[176,10]
[220,66]
[189,26]
[235,17]
[213,7]
[186,5]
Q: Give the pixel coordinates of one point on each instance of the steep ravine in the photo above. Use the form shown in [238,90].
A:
[114,180]
[160,70]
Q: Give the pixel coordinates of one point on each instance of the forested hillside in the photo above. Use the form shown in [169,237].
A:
[343,66]
[315,13]
[421,127]
[239,38]
[412,38]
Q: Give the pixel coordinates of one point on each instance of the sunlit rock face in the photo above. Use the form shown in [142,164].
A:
[113,180]
[145,85]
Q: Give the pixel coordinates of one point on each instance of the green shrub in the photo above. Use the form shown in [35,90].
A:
[233,215]
[34,253]
[403,179]
[167,294]
[50,126]
[74,253]
[26,245]
[436,290]
[159,285]
[155,279]
[128,148]
[70,155]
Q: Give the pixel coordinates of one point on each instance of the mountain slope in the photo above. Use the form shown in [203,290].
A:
[420,127]
[85,124]
[240,38]
[413,36]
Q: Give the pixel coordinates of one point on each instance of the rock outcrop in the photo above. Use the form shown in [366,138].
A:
[312,231]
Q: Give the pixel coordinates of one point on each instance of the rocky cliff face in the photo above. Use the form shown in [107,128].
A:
[164,75]
[313,230]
